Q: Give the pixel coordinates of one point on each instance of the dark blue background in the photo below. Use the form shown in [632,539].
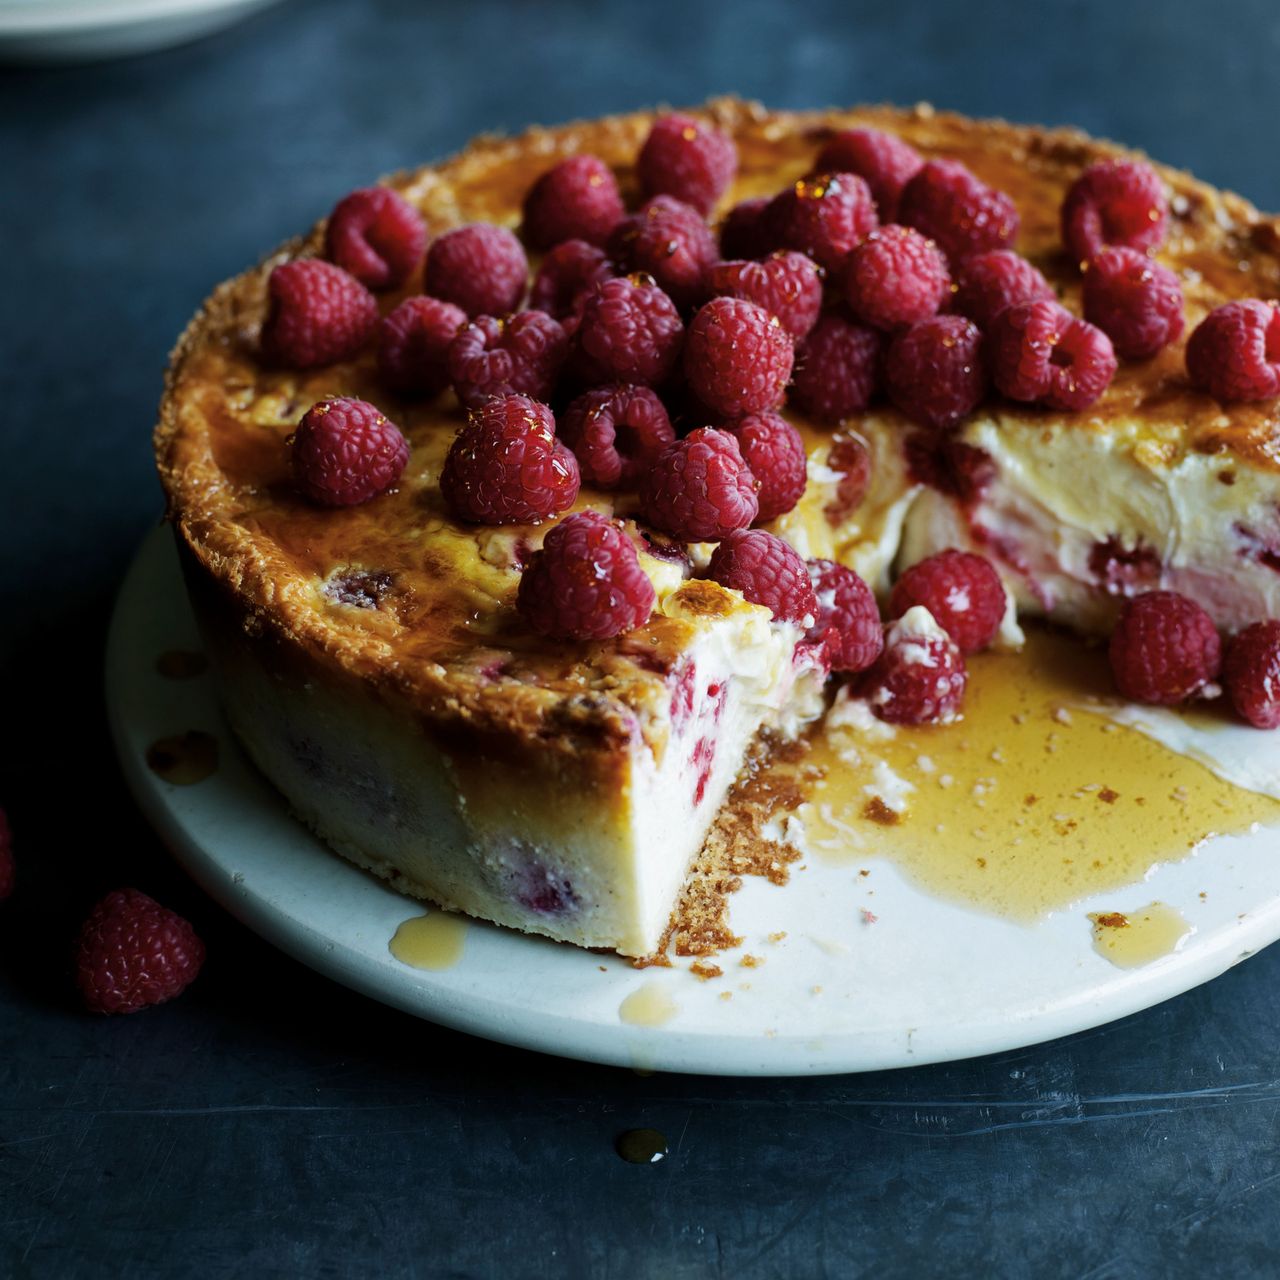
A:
[272,1124]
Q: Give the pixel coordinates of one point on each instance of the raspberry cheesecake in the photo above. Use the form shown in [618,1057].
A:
[518,499]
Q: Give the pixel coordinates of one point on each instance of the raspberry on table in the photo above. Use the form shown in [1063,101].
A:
[669,241]
[700,488]
[507,467]
[132,952]
[1233,354]
[737,357]
[317,314]
[882,160]
[1164,648]
[522,355]
[744,233]
[586,582]
[850,459]
[1136,302]
[847,616]
[767,571]
[630,331]
[1114,202]
[837,369]
[987,283]
[566,275]
[961,590]
[413,346]
[786,284]
[616,433]
[481,268]
[826,216]
[377,236]
[7,867]
[688,159]
[1251,674]
[774,451]
[1039,352]
[345,451]
[920,677]
[935,371]
[958,210]
[577,199]
[895,277]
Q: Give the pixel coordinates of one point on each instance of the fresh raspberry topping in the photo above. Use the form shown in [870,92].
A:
[566,275]
[700,489]
[377,236]
[480,267]
[1040,352]
[1164,648]
[1251,674]
[586,583]
[1114,202]
[987,283]
[345,451]
[935,372]
[949,465]
[317,314]
[962,591]
[847,617]
[413,345]
[767,571]
[774,451]
[616,433]
[895,277]
[955,208]
[507,467]
[850,458]
[737,357]
[522,355]
[1234,352]
[1136,302]
[7,868]
[630,331]
[578,199]
[837,369]
[882,160]
[669,241]
[920,677]
[685,158]
[133,952]
[826,216]
[786,284]
[744,233]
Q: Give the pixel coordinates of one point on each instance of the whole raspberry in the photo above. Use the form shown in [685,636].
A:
[895,277]
[669,241]
[376,235]
[1040,352]
[566,275]
[958,210]
[577,199]
[737,357]
[935,372]
[413,345]
[987,283]
[132,952]
[345,452]
[962,591]
[882,160]
[700,489]
[1136,302]
[837,369]
[616,434]
[317,314]
[1164,648]
[1114,202]
[786,284]
[744,233]
[480,267]
[774,451]
[767,571]
[1234,352]
[630,331]
[688,159]
[1251,674]
[847,616]
[586,583]
[850,459]
[826,216]
[7,868]
[507,467]
[920,677]
[522,355]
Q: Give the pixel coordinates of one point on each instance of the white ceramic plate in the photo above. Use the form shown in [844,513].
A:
[929,981]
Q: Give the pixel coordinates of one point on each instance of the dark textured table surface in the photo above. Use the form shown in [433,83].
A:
[270,1123]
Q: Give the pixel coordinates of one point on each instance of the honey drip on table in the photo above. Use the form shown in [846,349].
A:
[1131,939]
[648,1006]
[433,941]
